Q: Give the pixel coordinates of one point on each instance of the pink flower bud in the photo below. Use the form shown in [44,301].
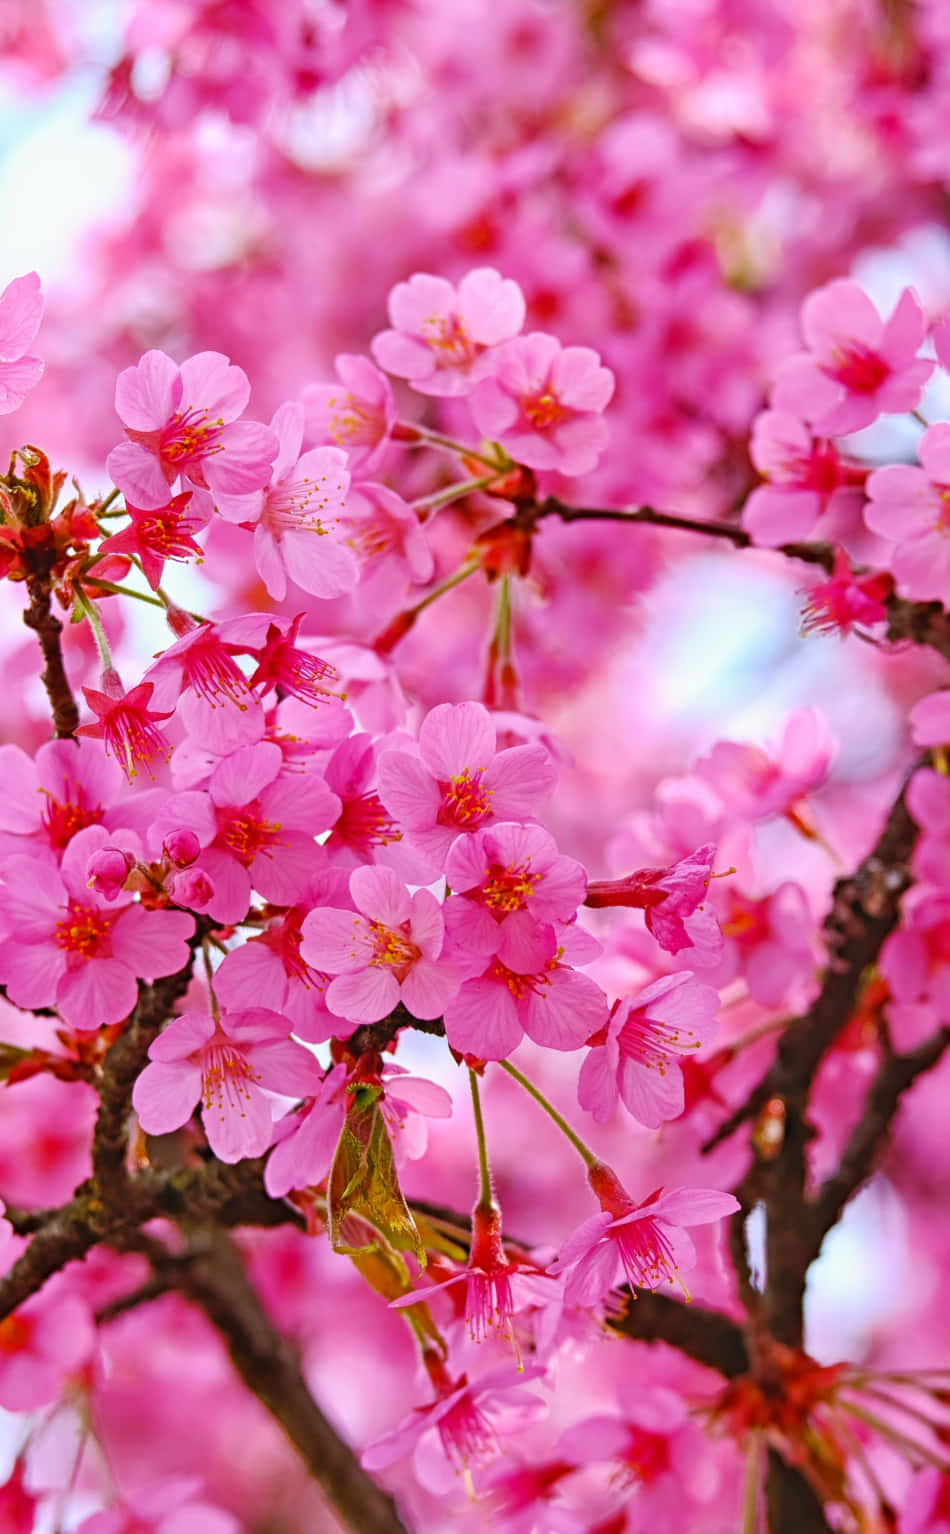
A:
[108,870]
[181,847]
[192,888]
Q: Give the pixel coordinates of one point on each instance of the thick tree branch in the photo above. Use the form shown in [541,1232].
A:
[707,1336]
[48,629]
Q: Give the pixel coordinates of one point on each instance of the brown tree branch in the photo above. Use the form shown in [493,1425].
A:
[48,629]
[707,1336]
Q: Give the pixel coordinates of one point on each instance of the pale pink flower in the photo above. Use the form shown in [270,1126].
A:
[503,870]
[21,309]
[256,827]
[672,903]
[544,403]
[307,1140]
[440,332]
[636,1057]
[217,708]
[757,783]
[126,722]
[163,532]
[805,475]
[296,518]
[930,719]
[643,1244]
[184,421]
[531,993]
[768,941]
[857,366]
[915,960]
[75,950]
[42,1343]
[928,800]
[357,414]
[458,781]
[228,1066]
[385,534]
[168,1508]
[911,507]
[71,784]
[386,952]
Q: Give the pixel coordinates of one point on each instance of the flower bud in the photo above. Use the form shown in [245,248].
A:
[108,870]
[192,888]
[181,847]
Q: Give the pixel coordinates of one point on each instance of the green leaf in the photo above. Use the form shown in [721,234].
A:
[365,1205]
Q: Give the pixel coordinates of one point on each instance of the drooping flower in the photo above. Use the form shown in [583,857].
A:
[127,723]
[645,1243]
[386,952]
[163,532]
[835,606]
[440,332]
[544,403]
[672,901]
[857,365]
[228,1065]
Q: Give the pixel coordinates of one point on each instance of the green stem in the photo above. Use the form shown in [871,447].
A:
[436,439]
[103,505]
[460,575]
[95,623]
[584,1151]
[452,493]
[485,1194]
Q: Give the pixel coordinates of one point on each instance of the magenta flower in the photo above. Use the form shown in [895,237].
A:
[297,529]
[21,309]
[672,903]
[544,403]
[644,1244]
[637,1055]
[384,532]
[909,506]
[757,783]
[307,1140]
[531,993]
[364,825]
[295,672]
[218,707]
[769,942]
[805,475]
[256,827]
[126,722]
[387,952]
[164,532]
[459,782]
[184,421]
[75,950]
[835,606]
[440,332]
[857,367]
[229,1066]
[501,871]
[357,414]
[70,785]
[930,719]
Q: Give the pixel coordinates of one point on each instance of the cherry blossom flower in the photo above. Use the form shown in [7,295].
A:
[364,826]
[768,941]
[280,664]
[228,1065]
[531,993]
[544,403]
[805,475]
[42,1343]
[672,903]
[218,707]
[857,366]
[835,606]
[21,309]
[173,1507]
[306,1140]
[458,782]
[757,783]
[384,532]
[909,506]
[356,414]
[75,950]
[644,1244]
[440,332]
[389,951]
[126,722]
[163,532]
[298,534]
[636,1057]
[183,421]
[71,784]
[930,719]
[501,871]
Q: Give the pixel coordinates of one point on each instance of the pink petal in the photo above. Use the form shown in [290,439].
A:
[483,1020]
[454,737]
[363,997]
[164,1096]
[21,309]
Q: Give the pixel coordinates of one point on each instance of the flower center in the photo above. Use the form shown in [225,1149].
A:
[82,929]
[394,949]
[465,800]
[445,335]
[15,1332]
[858,368]
[62,821]
[245,835]
[188,436]
[507,889]
[364,823]
[543,410]
[225,1078]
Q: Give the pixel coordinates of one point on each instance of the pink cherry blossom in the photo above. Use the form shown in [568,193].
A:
[908,505]
[364,827]
[356,414]
[757,783]
[172,1507]
[21,309]
[768,941]
[501,871]
[126,722]
[914,959]
[637,1057]
[77,951]
[384,532]
[307,1139]
[439,331]
[672,903]
[295,671]
[529,992]
[805,478]
[42,1343]
[458,782]
[228,1065]
[298,534]
[544,403]
[164,532]
[183,421]
[218,707]
[930,719]
[644,1244]
[387,952]
[71,784]
[835,606]
[857,366]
